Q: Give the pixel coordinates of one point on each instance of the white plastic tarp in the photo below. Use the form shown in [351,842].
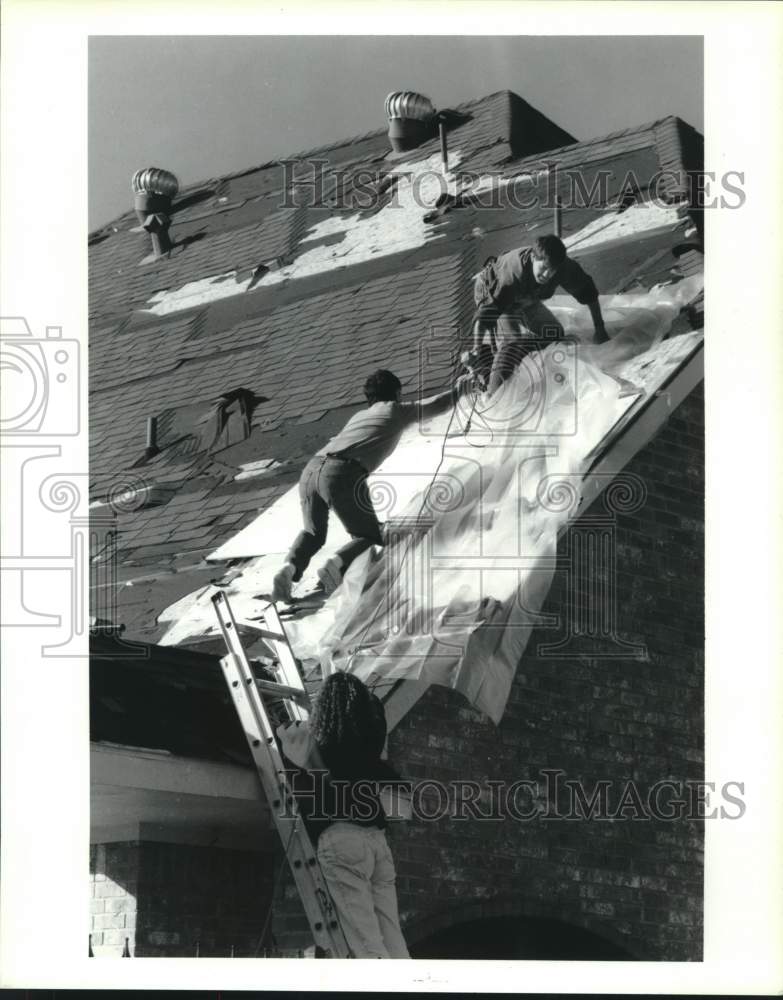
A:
[454,599]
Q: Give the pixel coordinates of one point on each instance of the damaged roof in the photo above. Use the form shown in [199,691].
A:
[293,293]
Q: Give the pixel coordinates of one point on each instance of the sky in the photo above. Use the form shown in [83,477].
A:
[204,106]
[209,111]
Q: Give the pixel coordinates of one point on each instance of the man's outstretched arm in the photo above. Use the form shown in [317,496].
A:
[433,405]
[577,282]
[601,336]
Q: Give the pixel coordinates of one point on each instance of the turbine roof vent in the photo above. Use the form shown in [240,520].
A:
[153,180]
[408,104]
[153,190]
[412,119]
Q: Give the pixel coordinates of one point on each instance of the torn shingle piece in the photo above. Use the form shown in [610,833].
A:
[311,340]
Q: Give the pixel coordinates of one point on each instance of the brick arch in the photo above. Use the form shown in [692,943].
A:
[507,906]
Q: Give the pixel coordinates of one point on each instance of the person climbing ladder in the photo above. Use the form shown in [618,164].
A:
[339,780]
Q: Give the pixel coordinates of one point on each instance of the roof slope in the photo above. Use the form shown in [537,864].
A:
[294,300]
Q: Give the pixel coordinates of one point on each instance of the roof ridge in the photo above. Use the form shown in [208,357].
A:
[337,144]
[349,140]
[507,93]
[594,141]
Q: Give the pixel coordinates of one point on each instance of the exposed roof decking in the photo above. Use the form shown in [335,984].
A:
[302,343]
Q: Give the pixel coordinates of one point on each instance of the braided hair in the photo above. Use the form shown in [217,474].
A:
[347,718]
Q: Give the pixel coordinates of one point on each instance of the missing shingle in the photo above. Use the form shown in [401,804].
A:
[252,470]
[194,198]
[256,274]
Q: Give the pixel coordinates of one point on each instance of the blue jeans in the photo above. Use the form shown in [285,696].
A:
[359,871]
[334,484]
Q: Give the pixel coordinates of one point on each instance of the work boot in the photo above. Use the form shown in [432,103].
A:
[281,583]
[331,574]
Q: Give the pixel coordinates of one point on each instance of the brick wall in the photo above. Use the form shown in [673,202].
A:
[114,883]
[595,710]
[172,899]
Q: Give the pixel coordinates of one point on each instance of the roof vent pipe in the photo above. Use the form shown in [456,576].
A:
[444,143]
[152,436]
[412,120]
[151,449]
[154,189]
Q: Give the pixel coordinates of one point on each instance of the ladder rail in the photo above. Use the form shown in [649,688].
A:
[246,693]
[289,669]
[277,639]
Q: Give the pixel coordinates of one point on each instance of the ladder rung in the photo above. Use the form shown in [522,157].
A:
[282,690]
[264,632]
[246,691]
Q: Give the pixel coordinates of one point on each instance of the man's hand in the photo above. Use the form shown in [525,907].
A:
[296,742]
[465,383]
[470,360]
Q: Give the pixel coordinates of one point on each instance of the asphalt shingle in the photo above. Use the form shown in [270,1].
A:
[305,343]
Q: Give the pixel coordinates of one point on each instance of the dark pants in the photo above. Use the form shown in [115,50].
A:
[334,484]
[532,329]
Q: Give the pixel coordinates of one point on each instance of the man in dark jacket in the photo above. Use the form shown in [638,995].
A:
[511,319]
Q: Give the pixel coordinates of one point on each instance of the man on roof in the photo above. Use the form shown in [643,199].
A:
[336,478]
[511,319]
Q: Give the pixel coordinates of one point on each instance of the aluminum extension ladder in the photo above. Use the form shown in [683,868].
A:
[247,692]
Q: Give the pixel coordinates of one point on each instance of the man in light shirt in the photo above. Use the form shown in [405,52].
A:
[336,478]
